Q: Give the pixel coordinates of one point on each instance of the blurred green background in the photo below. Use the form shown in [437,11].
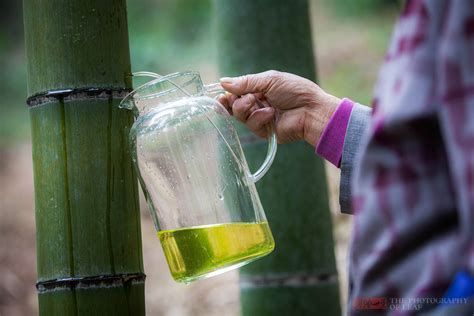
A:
[172,35]
[350,39]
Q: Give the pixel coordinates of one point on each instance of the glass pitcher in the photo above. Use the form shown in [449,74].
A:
[197,184]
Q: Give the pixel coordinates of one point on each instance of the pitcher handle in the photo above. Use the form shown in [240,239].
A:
[214,90]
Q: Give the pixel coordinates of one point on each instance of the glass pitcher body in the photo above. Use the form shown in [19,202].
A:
[197,184]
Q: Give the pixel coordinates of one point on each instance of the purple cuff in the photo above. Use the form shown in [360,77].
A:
[331,143]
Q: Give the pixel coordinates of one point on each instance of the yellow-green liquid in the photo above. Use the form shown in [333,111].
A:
[201,251]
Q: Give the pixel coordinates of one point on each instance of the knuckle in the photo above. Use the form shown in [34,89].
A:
[272,78]
[238,110]
[237,103]
[245,82]
[272,72]
[250,99]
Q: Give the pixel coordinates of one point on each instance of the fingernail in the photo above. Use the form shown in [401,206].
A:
[226,80]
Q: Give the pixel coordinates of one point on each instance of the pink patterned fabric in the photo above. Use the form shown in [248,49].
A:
[331,142]
[413,181]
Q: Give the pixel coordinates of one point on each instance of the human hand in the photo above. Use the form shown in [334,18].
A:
[301,109]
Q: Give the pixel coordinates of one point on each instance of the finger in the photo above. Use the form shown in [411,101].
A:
[261,102]
[258,119]
[260,96]
[288,127]
[227,100]
[253,83]
[244,106]
[222,99]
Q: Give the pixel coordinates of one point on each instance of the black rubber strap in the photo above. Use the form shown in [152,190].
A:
[74,94]
[287,280]
[92,281]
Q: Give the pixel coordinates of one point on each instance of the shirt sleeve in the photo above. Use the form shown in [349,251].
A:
[358,121]
[331,141]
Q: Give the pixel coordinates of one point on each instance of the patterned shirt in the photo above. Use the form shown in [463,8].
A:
[413,175]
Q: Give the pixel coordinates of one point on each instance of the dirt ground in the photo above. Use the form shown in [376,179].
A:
[17,232]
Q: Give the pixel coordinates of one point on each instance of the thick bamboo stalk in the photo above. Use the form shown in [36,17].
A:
[300,277]
[88,237]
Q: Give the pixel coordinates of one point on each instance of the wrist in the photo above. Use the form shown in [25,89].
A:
[331,142]
[317,116]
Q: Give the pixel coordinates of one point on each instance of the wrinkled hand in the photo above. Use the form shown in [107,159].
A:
[301,109]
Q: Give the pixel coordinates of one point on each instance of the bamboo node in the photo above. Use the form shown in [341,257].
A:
[64,95]
[90,282]
[290,280]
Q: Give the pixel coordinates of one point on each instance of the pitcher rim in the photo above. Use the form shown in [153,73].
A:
[156,81]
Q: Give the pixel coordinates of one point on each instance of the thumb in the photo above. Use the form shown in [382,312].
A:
[252,83]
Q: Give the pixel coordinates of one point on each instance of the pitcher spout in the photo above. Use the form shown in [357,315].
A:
[161,89]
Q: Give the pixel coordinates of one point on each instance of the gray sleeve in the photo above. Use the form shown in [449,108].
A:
[358,121]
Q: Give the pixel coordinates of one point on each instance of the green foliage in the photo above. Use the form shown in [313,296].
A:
[14,123]
[165,36]
[170,35]
[353,51]
[174,35]
[356,8]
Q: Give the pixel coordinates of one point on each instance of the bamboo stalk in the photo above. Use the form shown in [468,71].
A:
[88,237]
[300,276]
